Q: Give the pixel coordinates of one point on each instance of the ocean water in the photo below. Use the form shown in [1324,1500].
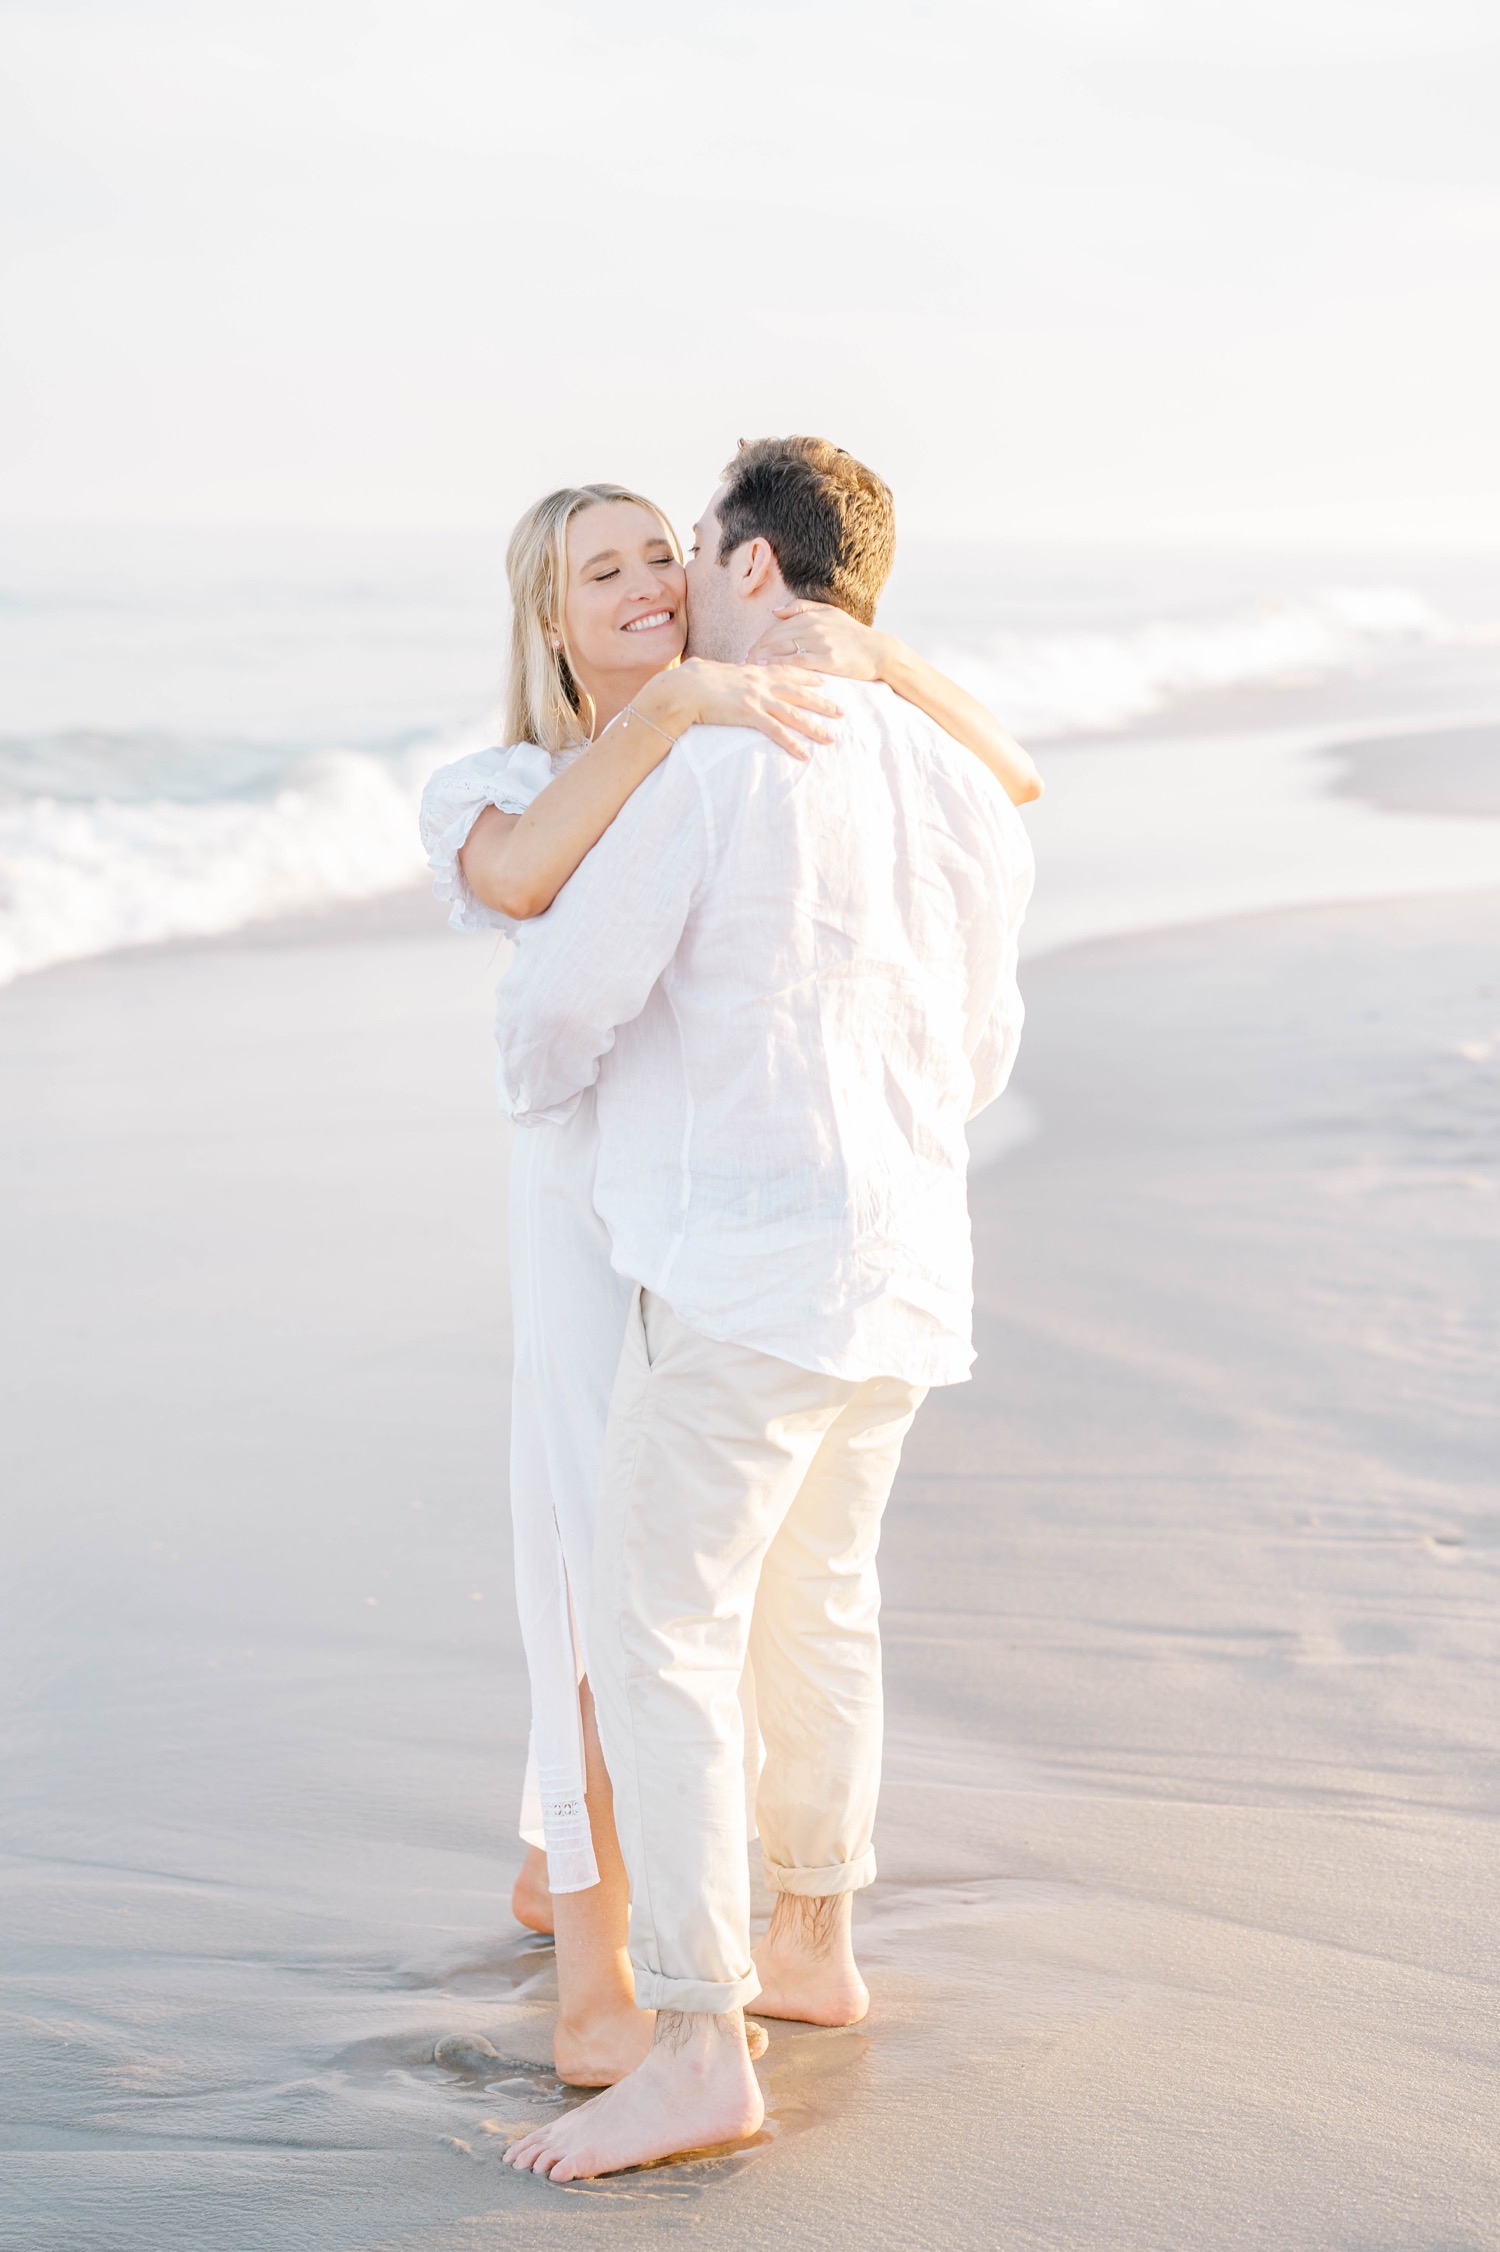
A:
[198,730]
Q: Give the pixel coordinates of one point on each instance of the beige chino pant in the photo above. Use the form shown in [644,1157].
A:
[739,1516]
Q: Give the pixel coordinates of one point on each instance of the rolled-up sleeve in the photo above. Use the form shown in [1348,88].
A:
[589,963]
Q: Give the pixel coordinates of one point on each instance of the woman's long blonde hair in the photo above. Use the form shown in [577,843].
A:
[544,702]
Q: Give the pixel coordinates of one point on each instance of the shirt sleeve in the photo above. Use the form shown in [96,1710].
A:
[589,963]
[451,804]
[996,1013]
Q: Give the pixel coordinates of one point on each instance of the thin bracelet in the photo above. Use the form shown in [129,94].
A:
[630,713]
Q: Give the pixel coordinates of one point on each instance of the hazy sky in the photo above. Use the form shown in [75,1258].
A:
[1130,267]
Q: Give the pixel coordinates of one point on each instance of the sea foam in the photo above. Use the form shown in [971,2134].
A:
[80,877]
[1045,685]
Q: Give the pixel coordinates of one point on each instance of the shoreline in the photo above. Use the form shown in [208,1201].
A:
[1411,773]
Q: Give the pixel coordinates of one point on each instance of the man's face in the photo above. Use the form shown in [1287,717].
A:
[715,628]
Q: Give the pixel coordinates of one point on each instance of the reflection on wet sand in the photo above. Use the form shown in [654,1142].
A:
[495,2064]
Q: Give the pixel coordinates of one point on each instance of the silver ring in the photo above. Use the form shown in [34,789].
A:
[798,650]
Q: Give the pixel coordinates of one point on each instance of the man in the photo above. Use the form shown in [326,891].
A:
[794,984]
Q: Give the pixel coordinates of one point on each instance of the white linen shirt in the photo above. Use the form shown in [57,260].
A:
[793,984]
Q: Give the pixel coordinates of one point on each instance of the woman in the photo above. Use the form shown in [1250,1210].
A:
[597,697]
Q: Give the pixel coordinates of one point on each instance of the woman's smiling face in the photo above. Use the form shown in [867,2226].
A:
[626,605]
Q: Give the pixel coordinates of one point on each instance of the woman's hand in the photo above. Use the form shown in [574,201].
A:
[817,634]
[782,701]
[826,638]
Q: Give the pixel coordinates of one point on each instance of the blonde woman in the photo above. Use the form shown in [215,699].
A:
[596,698]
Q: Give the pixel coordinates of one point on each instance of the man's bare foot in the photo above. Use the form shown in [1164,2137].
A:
[806,1962]
[695,2091]
[531,1902]
[598,2051]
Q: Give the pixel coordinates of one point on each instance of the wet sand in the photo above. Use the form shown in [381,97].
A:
[1439,770]
[1229,1492]
[1184,1934]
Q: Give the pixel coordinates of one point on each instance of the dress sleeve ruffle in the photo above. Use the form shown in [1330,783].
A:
[451,804]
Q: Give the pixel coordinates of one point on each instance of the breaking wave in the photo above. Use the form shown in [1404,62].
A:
[83,876]
[1049,684]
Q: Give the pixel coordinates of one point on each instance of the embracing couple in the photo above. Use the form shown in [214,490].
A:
[766,903]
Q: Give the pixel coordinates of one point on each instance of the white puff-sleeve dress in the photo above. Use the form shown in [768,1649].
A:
[569,1309]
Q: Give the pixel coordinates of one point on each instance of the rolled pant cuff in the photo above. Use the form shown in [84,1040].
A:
[822,1884]
[699,1996]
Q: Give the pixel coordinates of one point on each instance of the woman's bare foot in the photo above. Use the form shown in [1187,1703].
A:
[597,2052]
[695,2091]
[806,1962]
[531,1902]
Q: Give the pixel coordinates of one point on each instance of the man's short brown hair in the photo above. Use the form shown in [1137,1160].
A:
[829,521]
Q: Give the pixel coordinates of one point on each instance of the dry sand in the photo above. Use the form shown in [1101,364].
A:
[1185,1930]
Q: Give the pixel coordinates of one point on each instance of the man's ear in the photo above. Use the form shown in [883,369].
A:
[758,570]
